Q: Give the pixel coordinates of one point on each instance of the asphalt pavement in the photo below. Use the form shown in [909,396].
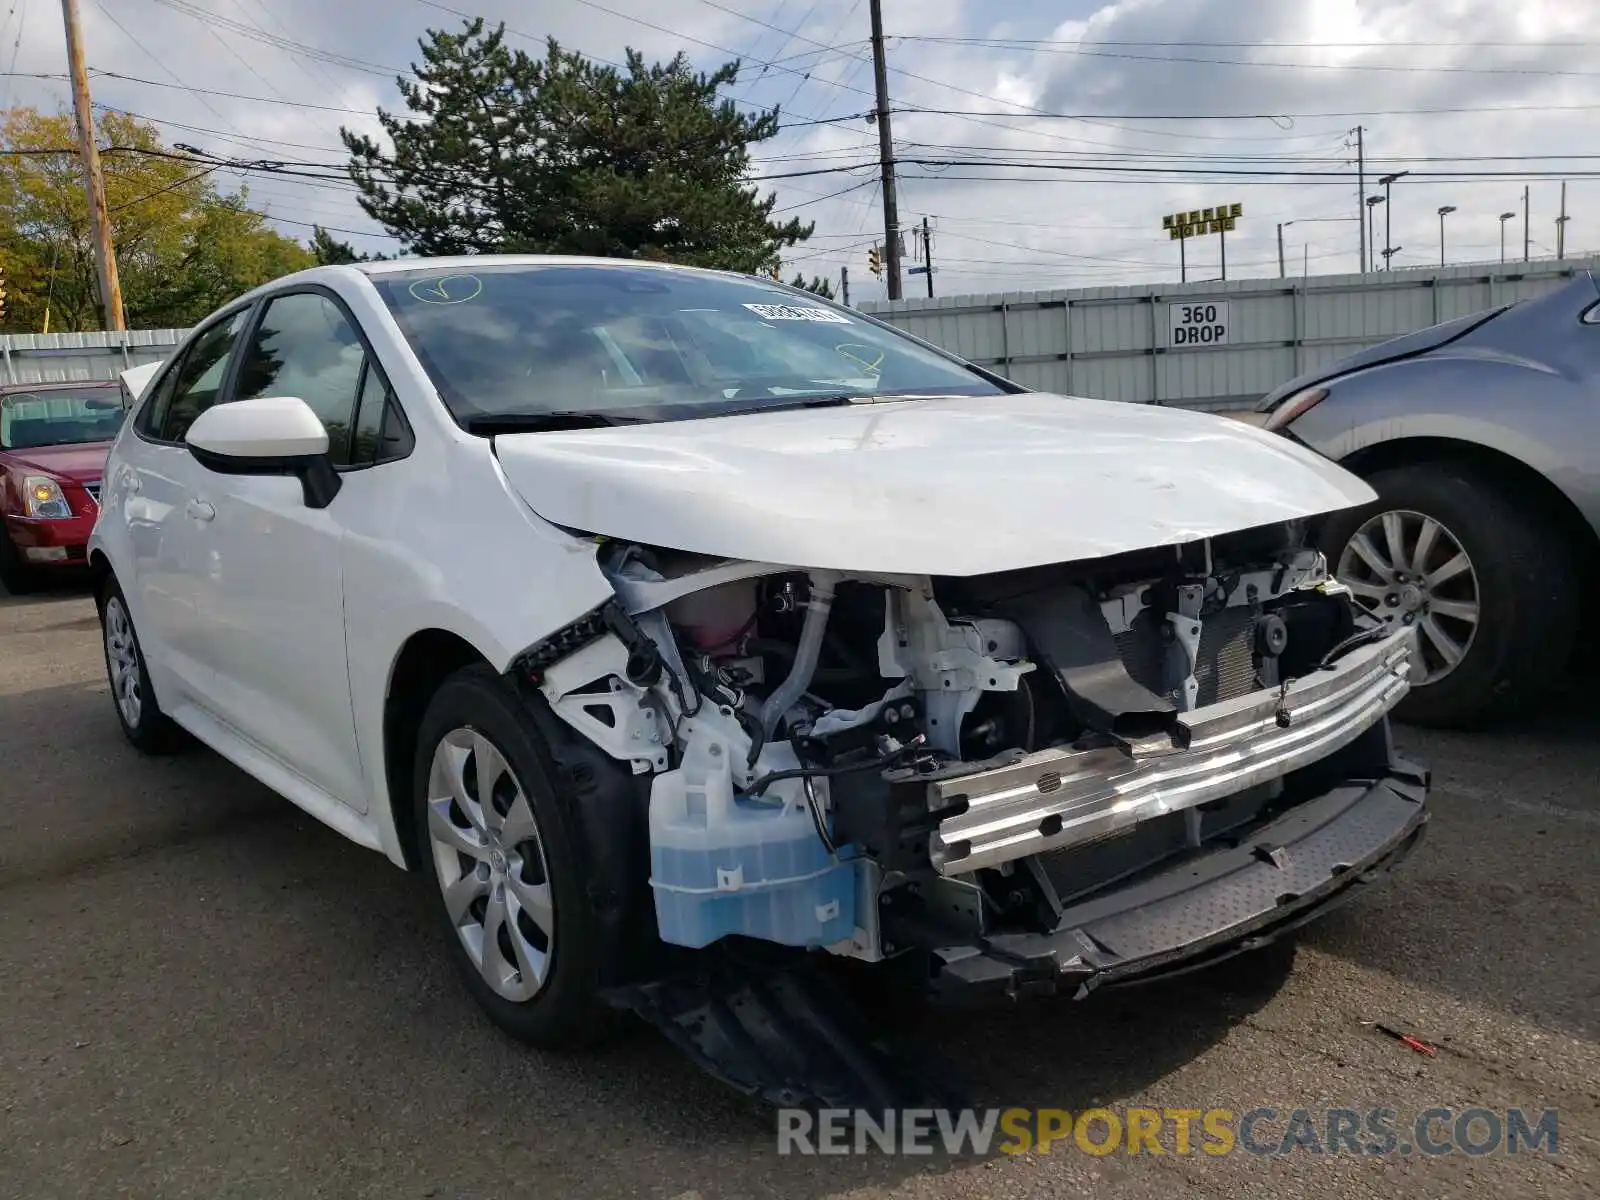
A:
[205,993]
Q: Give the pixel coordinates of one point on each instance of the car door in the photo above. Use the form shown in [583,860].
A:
[152,495]
[273,603]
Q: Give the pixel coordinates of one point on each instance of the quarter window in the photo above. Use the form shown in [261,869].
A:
[192,386]
[381,434]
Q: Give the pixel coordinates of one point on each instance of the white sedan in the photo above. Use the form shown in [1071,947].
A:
[653,612]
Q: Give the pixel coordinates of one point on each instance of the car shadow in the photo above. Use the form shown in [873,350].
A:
[71,585]
[350,917]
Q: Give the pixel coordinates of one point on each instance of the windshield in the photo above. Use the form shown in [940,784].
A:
[645,343]
[59,417]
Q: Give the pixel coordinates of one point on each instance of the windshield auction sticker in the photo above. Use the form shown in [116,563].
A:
[447,289]
[785,312]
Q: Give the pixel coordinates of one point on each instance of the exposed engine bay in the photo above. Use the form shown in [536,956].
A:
[874,765]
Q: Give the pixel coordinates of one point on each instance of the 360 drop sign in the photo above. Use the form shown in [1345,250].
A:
[1204,323]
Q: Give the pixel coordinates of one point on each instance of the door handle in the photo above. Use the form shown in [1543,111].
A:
[199,510]
[131,482]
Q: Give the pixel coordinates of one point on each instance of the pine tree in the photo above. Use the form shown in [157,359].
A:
[502,152]
[819,285]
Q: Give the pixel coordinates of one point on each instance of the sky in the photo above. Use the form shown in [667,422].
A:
[1043,142]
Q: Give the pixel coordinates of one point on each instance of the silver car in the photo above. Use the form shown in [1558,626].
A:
[1481,437]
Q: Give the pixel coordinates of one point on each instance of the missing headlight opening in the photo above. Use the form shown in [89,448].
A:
[953,773]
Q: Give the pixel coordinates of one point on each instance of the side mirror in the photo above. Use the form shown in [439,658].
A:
[269,435]
[135,380]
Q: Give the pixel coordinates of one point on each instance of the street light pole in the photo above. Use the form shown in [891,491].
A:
[1444,211]
[1387,181]
[1305,250]
[1372,203]
[1504,217]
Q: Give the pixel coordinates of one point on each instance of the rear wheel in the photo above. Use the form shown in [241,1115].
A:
[143,723]
[506,858]
[1490,588]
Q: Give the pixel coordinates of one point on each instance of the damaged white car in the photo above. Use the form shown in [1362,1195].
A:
[687,631]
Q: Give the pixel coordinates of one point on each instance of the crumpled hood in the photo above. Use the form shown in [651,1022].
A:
[953,486]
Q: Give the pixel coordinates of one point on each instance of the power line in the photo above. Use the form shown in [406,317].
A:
[1408,69]
[150,54]
[854,187]
[1267,45]
[319,77]
[210,18]
[171,187]
[237,57]
[16,46]
[1040,114]
[200,91]
[250,139]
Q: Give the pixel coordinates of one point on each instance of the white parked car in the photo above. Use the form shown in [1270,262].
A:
[657,615]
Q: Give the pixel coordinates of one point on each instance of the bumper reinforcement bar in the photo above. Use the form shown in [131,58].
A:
[1064,797]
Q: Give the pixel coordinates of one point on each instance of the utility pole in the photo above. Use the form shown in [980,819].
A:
[1361,193]
[94,183]
[844,285]
[927,255]
[1527,239]
[1561,224]
[891,215]
[1281,271]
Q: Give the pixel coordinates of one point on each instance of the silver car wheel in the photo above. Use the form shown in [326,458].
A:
[490,863]
[1409,569]
[122,660]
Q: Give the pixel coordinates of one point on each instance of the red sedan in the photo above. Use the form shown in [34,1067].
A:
[53,443]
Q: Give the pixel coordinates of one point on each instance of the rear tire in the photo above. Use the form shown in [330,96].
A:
[134,699]
[509,871]
[1520,575]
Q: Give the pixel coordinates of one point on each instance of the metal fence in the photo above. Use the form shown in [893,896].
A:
[1208,345]
[1198,345]
[65,357]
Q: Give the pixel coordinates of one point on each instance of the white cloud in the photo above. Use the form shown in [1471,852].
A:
[1010,229]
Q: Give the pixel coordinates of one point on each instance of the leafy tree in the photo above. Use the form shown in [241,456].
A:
[819,285]
[563,155]
[165,218]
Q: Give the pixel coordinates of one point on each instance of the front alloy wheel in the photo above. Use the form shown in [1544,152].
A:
[513,871]
[489,859]
[1408,568]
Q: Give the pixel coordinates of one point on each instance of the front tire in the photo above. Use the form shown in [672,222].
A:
[504,852]
[143,723]
[1491,588]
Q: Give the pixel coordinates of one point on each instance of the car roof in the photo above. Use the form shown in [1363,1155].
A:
[331,273]
[391,266]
